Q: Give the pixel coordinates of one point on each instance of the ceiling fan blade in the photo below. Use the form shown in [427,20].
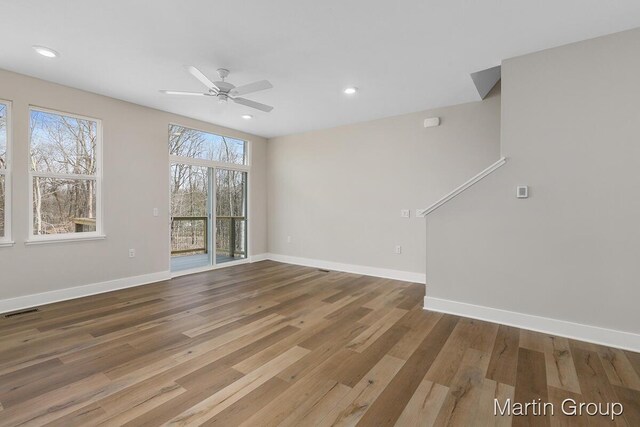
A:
[251,87]
[253,104]
[180,92]
[203,79]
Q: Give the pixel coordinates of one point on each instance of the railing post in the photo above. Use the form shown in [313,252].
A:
[232,243]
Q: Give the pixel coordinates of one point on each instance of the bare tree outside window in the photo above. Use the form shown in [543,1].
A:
[63,155]
[3,167]
[3,136]
[189,212]
[195,144]
[231,212]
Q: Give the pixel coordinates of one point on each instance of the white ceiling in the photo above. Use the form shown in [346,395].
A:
[404,55]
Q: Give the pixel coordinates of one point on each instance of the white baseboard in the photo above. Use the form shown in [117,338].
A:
[594,334]
[33,300]
[259,257]
[206,268]
[404,276]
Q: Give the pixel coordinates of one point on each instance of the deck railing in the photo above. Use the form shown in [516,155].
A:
[189,235]
[185,228]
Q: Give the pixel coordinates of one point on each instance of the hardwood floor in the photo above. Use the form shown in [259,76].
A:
[273,344]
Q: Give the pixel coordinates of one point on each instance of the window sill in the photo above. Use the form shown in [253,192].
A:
[64,240]
[6,244]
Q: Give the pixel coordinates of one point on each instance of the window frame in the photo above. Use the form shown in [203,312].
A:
[66,237]
[7,239]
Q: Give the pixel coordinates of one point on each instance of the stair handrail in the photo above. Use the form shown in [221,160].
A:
[461,188]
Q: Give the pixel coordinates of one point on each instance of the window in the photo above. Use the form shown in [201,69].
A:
[65,175]
[185,142]
[5,172]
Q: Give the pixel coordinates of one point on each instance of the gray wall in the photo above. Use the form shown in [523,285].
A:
[570,128]
[136,178]
[338,192]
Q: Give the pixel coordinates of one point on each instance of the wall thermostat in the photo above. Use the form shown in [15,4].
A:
[522,191]
[432,122]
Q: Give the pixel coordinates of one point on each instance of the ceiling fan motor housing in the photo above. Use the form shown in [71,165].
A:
[223,73]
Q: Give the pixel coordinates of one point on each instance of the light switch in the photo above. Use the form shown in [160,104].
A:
[522,191]
[405,213]
[156,212]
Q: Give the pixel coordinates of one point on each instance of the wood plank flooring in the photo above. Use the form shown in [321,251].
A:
[269,344]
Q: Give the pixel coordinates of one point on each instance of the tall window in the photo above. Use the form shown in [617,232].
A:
[65,175]
[5,187]
[209,176]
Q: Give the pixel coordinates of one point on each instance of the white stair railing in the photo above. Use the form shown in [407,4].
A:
[461,188]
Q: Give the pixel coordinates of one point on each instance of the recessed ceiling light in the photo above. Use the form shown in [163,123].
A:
[350,90]
[45,51]
[247,116]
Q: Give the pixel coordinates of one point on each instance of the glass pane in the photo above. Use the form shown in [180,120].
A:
[2,199]
[3,136]
[231,217]
[62,144]
[193,143]
[63,206]
[189,212]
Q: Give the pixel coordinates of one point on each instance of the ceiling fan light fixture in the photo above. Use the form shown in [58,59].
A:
[45,51]
[247,116]
[351,90]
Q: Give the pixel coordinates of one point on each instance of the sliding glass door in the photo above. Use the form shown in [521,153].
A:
[231,215]
[209,175]
[190,216]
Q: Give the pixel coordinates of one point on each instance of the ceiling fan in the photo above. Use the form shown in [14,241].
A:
[224,91]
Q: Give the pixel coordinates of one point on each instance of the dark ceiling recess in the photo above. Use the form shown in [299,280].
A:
[485,80]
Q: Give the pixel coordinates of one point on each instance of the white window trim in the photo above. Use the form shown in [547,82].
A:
[6,240]
[208,163]
[68,237]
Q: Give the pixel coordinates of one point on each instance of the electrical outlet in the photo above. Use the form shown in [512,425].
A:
[132,253]
[405,213]
[288,239]
[397,249]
